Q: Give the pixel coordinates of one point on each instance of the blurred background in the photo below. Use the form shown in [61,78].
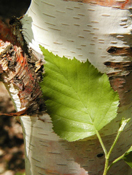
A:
[11,137]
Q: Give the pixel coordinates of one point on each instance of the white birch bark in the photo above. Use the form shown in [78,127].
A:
[85,31]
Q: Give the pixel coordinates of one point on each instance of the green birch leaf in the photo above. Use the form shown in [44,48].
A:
[79,99]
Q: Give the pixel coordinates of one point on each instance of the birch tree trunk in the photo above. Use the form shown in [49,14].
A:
[100,32]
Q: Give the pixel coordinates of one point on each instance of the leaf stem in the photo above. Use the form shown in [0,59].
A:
[123,124]
[107,155]
[105,152]
[101,142]
[113,145]
[116,160]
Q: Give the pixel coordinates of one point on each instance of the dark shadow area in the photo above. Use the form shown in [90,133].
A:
[9,8]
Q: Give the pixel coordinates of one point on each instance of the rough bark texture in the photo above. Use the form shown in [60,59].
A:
[85,30]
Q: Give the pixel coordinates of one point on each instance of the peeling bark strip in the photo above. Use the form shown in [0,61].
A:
[23,71]
[113,3]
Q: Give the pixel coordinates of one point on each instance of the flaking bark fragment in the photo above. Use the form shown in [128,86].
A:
[18,66]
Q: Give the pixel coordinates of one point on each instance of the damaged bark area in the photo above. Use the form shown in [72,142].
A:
[122,74]
[120,51]
[19,67]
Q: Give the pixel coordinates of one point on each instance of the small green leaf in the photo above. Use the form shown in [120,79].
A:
[123,124]
[79,99]
[128,157]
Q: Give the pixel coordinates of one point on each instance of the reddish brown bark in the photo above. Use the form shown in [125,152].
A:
[20,67]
